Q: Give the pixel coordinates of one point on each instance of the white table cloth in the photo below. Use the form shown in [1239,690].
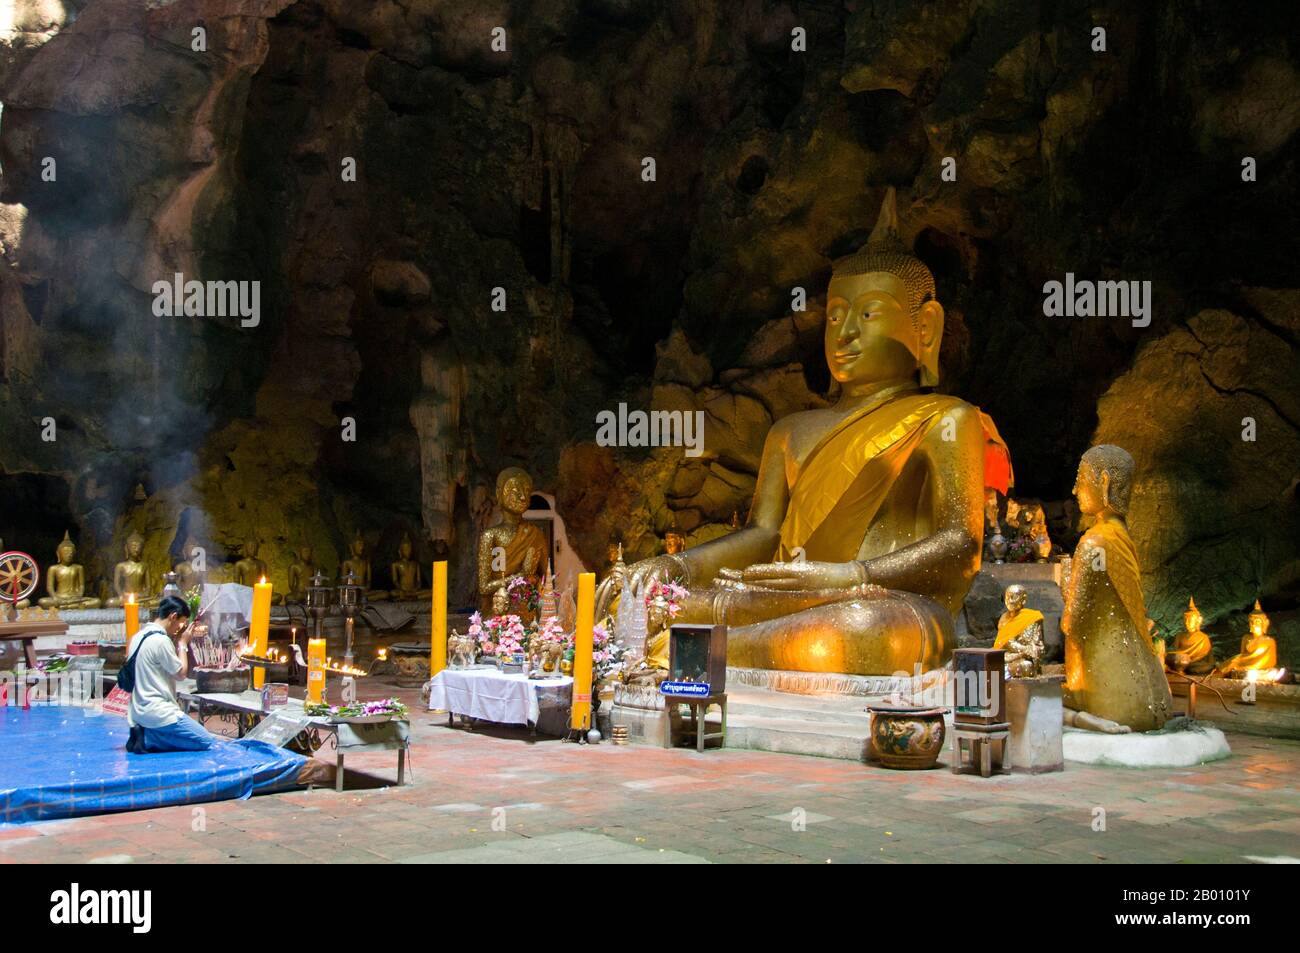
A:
[490,695]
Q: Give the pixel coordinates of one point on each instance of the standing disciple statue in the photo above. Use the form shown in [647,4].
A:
[866,525]
[512,547]
[132,575]
[66,581]
[1113,680]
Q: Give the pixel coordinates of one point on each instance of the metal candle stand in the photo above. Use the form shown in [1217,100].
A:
[351,598]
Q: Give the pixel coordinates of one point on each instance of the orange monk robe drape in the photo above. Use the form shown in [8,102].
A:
[850,473]
[1012,628]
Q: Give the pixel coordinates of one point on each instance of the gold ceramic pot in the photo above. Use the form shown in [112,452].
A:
[907,738]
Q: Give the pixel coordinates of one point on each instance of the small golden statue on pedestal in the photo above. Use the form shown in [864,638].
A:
[406,574]
[1258,649]
[66,581]
[358,565]
[1113,681]
[512,547]
[132,575]
[1192,651]
[1020,634]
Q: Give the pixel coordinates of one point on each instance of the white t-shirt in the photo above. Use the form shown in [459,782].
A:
[153,701]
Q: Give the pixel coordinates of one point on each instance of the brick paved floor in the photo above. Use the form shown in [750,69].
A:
[494,795]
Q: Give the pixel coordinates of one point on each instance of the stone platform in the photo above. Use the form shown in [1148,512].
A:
[1182,743]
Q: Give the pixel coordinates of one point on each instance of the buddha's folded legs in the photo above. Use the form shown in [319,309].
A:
[883,633]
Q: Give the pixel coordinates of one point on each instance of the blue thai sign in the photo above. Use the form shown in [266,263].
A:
[691,689]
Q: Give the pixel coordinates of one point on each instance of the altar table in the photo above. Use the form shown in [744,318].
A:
[346,738]
[487,694]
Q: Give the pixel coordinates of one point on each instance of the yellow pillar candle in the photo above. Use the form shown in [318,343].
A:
[582,641]
[438,633]
[315,670]
[258,629]
[132,621]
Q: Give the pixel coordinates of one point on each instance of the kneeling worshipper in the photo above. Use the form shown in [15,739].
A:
[156,720]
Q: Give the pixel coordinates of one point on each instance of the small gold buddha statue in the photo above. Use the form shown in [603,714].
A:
[406,574]
[1258,649]
[1113,681]
[132,575]
[674,541]
[865,530]
[1192,651]
[1020,635]
[358,564]
[250,570]
[188,576]
[301,571]
[66,581]
[512,547]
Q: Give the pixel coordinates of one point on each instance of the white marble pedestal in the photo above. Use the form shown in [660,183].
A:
[1034,709]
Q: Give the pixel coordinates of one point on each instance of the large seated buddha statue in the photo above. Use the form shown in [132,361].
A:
[867,521]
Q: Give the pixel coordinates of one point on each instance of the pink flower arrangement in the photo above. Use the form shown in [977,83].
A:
[549,631]
[501,635]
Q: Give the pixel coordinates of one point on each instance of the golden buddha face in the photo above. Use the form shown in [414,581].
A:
[357,547]
[250,549]
[404,549]
[134,547]
[872,336]
[1192,619]
[1014,598]
[304,554]
[66,552]
[1091,489]
[515,494]
[1258,622]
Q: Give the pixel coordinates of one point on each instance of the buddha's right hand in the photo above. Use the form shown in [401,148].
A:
[639,576]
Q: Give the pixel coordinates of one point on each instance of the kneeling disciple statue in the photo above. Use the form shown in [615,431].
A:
[1113,680]
[866,525]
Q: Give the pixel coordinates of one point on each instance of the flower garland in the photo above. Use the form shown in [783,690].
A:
[381,706]
[669,595]
[523,594]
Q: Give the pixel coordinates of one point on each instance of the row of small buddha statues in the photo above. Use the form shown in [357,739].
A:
[1192,653]
[65,580]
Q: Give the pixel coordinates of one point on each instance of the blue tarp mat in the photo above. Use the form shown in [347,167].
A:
[58,762]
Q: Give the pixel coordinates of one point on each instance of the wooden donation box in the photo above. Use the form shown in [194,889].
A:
[980,696]
[697,655]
